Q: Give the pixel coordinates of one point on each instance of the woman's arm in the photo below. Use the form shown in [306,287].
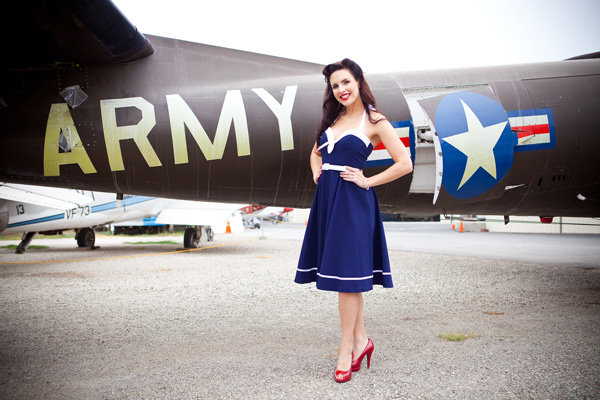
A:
[315,163]
[402,163]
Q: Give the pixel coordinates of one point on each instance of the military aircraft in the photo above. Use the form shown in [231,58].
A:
[48,210]
[89,102]
[273,214]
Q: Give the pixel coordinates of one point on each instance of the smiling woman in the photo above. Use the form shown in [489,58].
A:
[344,248]
[344,89]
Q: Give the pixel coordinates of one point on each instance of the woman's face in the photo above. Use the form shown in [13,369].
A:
[344,87]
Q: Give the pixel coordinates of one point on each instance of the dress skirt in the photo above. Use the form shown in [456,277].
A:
[344,248]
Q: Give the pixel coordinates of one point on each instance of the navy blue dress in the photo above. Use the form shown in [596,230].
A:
[344,248]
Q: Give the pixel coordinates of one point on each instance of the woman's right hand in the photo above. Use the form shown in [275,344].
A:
[316,164]
[317,175]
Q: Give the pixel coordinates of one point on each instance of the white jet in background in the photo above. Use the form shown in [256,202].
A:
[37,209]
[205,219]
[274,214]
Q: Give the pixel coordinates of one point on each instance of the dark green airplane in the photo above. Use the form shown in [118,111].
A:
[88,102]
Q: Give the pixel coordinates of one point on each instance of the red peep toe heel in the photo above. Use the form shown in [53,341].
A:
[344,376]
[368,351]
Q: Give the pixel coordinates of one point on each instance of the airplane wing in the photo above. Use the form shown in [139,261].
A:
[57,198]
[270,211]
[183,212]
[54,33]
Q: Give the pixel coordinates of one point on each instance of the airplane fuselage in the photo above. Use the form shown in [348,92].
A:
[202,123]
[105,209]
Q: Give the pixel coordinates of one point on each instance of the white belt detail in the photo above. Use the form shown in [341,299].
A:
[327,166]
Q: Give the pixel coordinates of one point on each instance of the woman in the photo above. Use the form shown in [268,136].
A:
[344,248]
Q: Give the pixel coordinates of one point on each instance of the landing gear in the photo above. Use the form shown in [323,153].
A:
[210,235]
[191,238]
[85,238]
[25,240]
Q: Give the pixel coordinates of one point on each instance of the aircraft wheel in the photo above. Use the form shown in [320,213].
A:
[86,238]
[191,239]
[210,235]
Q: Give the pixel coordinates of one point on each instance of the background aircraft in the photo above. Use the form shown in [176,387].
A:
[45,210]
[215,217]
[273,214]
[126,113]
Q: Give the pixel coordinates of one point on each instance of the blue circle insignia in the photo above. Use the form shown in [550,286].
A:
[476,142]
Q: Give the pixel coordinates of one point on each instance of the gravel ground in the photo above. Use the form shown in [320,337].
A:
[228,322]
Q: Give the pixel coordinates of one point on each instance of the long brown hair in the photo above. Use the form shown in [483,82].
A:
[332,109]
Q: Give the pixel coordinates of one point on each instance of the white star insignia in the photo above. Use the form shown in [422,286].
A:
[477,143]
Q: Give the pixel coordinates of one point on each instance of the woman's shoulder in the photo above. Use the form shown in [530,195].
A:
[376,117]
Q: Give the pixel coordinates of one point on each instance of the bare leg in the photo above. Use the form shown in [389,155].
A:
[349,304]
[360,334]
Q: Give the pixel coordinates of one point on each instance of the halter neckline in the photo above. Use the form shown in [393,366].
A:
[358,132]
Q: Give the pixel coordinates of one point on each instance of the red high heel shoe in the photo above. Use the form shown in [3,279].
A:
[344,376]
[368,351]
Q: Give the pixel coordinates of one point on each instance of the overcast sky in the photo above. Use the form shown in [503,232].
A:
[382,35]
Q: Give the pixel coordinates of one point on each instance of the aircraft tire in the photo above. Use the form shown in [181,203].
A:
[191,239]
[86,238]
[210,235]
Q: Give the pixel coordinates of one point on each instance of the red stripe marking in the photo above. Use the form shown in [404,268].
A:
[529,130]
[405,141]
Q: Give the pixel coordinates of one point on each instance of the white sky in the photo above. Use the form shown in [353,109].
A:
[382,35]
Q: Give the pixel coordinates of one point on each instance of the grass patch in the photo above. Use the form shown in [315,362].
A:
[32,247]
[493,313]
[153,242]
[458,336]
[174,233]
[18,236]
[71,234]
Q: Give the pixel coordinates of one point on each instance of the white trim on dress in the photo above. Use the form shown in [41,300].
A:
[358,132]
[342,278]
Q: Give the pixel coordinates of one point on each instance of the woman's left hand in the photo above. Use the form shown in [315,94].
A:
[354,175]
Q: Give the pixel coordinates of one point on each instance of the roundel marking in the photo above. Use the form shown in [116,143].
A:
[476,142]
